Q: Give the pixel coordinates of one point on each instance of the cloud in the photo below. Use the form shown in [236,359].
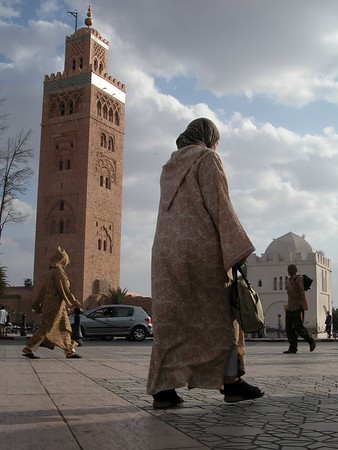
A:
[281,178]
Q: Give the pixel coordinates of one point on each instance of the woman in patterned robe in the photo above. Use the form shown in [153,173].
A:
[54,300]
[198,240]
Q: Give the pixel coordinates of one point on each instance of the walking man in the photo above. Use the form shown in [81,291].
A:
[328,324]
[294,316]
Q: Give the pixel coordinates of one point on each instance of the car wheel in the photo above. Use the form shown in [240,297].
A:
[139,333]
[107,338]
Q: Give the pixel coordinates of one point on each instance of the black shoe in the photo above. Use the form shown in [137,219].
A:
[30,355]
[312,344]
[167,399]
[240,391]
[290,351]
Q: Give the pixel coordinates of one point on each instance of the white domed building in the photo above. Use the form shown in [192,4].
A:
[268,275]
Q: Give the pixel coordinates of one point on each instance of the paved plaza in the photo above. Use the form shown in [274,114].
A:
[99,401]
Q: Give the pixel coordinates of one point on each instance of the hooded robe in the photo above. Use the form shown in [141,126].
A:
[198,240]
[53,301]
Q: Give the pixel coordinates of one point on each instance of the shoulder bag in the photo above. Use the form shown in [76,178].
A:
[245,303]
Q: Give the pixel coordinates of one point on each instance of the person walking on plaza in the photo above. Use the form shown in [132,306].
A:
[279,325]
[294,314]
[53,302]
[3,319]
[328,324]
[199,238]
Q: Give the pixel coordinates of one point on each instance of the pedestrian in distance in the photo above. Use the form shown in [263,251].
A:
[328,324]
[76,327]
[279,325]
[198,239]
[4,319]
[294,314]
[53,302]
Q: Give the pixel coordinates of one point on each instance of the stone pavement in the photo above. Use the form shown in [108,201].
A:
[99,402]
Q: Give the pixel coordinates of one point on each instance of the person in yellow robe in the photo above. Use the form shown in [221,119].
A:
[53,302]
[198,239]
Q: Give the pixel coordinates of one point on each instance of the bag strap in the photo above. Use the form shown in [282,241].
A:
[237,268]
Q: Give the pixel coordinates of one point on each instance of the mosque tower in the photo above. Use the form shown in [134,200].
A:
[80,173]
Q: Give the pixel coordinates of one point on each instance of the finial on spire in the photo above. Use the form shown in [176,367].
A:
[89,21]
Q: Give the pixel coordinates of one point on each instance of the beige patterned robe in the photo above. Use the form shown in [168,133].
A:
[198,239]
[53,302]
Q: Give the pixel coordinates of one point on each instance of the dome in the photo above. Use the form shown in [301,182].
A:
[286,244]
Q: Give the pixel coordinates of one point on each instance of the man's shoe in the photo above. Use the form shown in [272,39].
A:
[290,351]
[312,344]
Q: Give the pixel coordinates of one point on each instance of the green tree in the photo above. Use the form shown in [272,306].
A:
[3,279]
[15,173]
[117,296]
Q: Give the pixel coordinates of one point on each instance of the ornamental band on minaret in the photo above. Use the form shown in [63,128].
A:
[81,162]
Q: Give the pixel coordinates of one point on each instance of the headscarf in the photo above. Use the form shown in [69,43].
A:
[59,259]
[199,131]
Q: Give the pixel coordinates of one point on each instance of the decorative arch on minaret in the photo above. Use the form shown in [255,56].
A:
[65,104]
[108,109]
[61,218]
[104,238]
[106,168]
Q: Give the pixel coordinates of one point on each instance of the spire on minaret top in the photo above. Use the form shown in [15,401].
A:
[89,21]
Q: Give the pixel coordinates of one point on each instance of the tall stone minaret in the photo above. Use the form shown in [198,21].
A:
[80,173]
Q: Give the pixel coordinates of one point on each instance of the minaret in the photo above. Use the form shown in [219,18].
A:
[80,173]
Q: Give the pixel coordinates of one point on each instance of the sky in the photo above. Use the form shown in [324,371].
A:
[265,72]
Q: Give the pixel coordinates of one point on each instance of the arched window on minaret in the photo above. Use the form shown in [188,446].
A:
[68,164]
[95,64]
[117,118]
[111,115]
[62,109]
[61,165]
[73,64]
[108,183]
[101,68]
[260,284]
[99,108]
[61,227]
[70,107]
[62,205]
[105,246]
[99,244]
[101,180]
[103,140]
[110,144]
[81,63]
[275,283]
[105,112]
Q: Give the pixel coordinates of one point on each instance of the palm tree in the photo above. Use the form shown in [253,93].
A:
[117,295]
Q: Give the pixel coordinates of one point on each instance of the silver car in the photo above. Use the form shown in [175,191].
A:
[107,321]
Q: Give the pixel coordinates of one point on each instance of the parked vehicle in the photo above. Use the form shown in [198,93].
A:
[107,321]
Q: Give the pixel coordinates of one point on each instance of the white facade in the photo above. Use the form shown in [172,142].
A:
[268,275]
